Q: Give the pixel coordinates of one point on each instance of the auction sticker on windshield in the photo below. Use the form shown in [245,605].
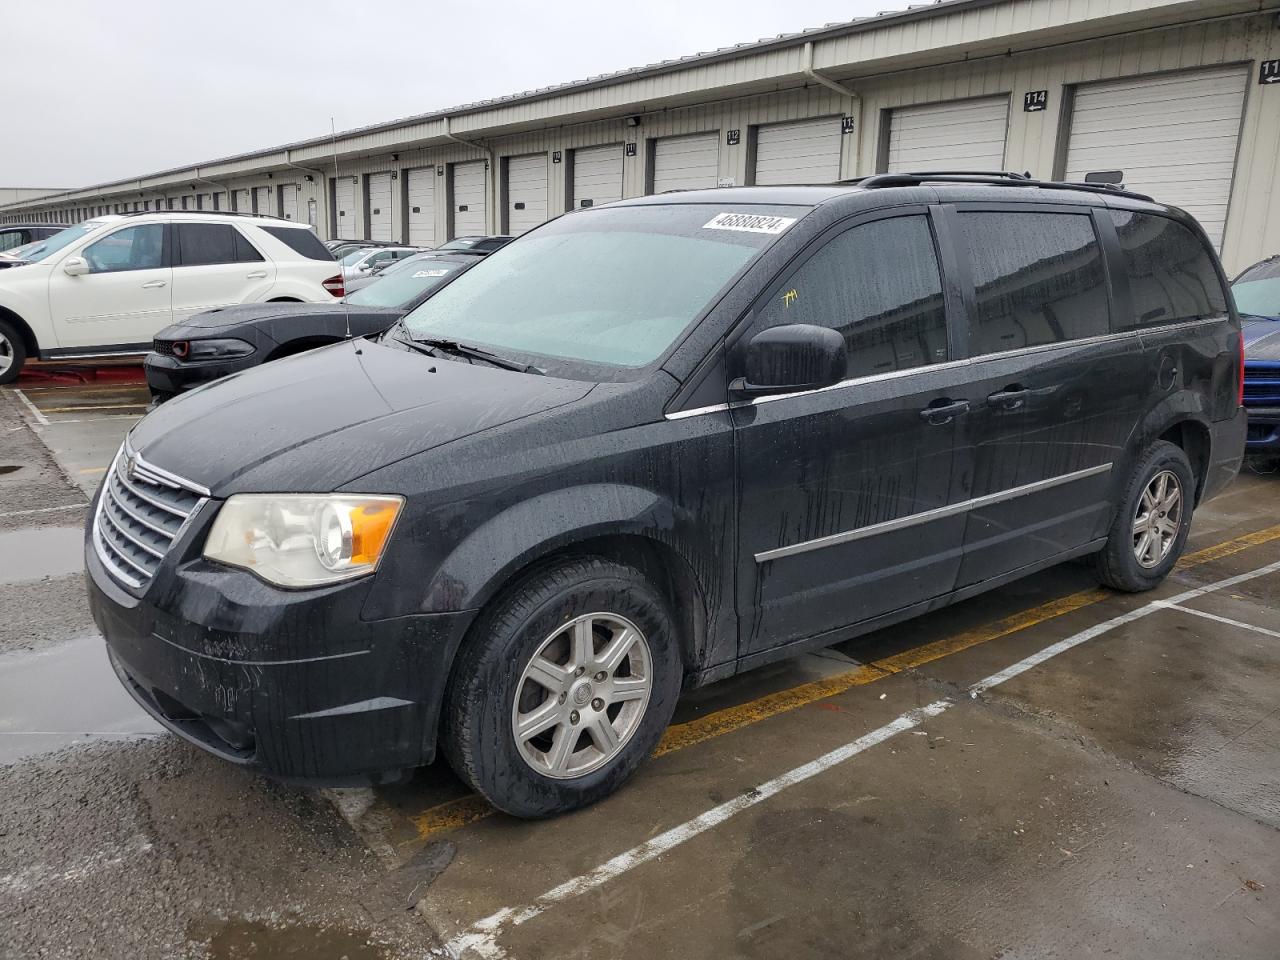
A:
[429,273]
[748,223]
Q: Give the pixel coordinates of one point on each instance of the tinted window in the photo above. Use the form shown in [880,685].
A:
[1171,274]
[302,242]
[14,238]
[879,285]
[245,251]
[133,248]
[1038,278]
[205,243]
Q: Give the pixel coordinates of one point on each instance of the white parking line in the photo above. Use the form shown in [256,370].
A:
[1226,620]
[30,513]
[481,939]
[35,411]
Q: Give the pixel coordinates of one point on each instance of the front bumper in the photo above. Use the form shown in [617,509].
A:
[1264,430]
[169,376]
[291,683]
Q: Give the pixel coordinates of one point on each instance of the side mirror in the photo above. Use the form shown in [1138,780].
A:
[75,267]
[792,358]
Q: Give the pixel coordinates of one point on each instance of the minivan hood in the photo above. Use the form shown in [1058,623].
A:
[314,422]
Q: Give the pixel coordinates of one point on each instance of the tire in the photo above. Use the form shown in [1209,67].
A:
[1118,565]
[564,767]
[13,352]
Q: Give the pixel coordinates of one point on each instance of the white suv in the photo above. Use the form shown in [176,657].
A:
[107,285]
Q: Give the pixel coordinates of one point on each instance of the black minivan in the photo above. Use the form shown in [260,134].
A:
[652,444]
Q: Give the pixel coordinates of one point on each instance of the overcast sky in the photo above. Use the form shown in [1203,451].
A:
[115,90]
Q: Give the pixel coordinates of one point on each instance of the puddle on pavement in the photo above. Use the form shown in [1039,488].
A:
[255,940]
[39,552]
[62,696]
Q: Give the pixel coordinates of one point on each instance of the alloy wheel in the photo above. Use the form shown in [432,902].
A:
[1155,528]
[582,695]
[6,354]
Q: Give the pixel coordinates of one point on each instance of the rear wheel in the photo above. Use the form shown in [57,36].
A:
[13,352]
[1152,524]
[564,689]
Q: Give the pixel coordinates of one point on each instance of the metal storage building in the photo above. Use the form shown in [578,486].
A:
[1182,96]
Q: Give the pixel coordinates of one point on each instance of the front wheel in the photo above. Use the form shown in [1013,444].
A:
[564,688]
[13,353]
[1153,521]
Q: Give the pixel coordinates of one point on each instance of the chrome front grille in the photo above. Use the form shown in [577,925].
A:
[140,514]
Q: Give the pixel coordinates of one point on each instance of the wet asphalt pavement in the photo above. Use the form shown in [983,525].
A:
[1050,770]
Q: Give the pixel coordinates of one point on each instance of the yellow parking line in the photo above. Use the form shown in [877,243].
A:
[469,809]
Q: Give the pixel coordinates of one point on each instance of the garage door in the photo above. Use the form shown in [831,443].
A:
[686,163]
[422,207]
[468,199]
[380,206]
[597,175]
[1172,136]
[526,192]
[346,225]
[964,135]
[244,202]
[289,201]
[804,152]
[264,205]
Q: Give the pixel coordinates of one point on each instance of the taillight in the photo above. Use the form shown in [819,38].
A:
[1240,395]
[335,286]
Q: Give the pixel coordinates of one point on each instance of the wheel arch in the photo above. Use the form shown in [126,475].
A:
[24,330]
[623,523]
[1194,439]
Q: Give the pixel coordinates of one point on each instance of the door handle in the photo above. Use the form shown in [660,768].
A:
[152,284]
[942,412]
[257,275]
[1010,398]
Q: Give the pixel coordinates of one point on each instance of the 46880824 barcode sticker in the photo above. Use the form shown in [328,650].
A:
[748,223]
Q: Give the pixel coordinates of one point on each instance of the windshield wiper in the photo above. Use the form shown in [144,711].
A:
[434,346]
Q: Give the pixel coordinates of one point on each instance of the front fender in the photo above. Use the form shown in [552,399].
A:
[478,567]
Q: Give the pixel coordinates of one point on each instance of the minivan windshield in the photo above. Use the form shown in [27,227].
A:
[1257,290]
[612,286]
[43,249]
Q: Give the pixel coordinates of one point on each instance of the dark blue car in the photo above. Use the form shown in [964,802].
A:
[1257,294]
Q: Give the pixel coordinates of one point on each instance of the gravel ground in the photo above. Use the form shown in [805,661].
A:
[153,849]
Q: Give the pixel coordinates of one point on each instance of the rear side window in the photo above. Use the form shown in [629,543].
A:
[878,285]
[1038,278]
[203,244]
[302,242]
[13,238]
[1171,273]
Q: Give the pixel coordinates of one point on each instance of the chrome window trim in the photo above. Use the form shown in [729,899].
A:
[939,513]
[1133,334]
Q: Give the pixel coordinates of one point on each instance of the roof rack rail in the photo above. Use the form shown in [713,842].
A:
[994,179]
[220,213]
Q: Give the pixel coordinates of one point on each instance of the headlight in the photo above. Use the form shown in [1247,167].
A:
[297,540]
[224,349]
